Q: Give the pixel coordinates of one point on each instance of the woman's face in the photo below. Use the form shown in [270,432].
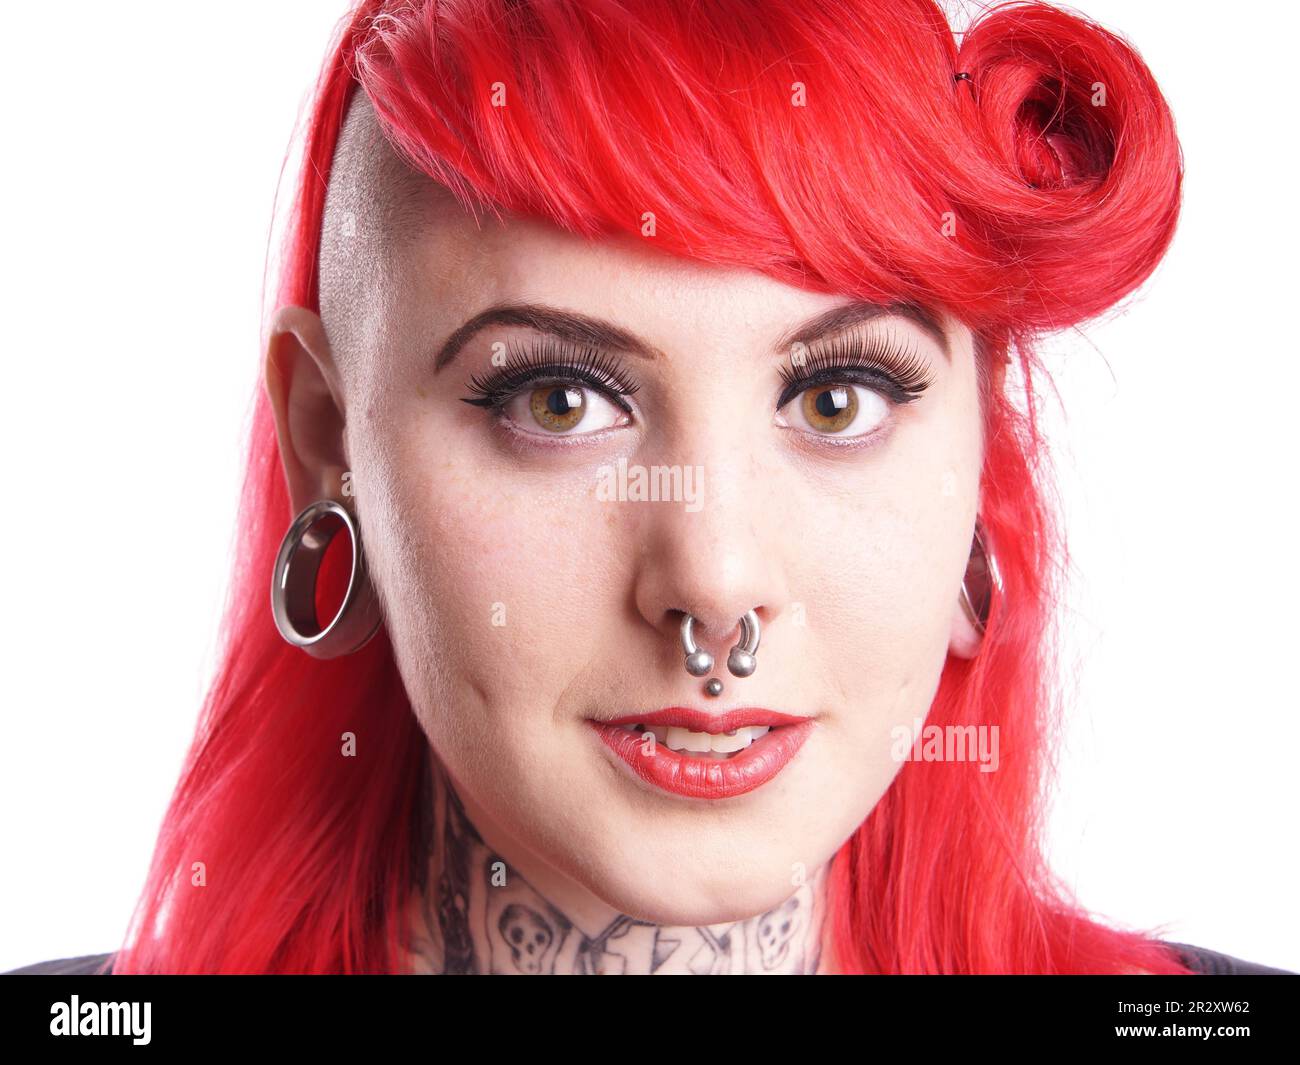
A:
[523,602]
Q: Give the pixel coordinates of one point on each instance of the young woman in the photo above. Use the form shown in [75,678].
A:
[669,371]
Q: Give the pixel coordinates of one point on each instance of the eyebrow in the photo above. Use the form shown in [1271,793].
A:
[587,330]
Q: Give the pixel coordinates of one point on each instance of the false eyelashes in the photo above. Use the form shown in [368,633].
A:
[885,364]
[551,361]
[882,363]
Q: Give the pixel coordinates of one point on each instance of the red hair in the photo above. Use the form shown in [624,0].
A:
[1026,181]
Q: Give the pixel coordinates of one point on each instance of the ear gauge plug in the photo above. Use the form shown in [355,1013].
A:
[982,580]
[293,584]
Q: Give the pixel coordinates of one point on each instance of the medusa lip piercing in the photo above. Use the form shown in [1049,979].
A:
[741,661]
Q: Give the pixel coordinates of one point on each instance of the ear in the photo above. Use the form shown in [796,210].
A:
[302,383]
[964,639]
[999,373]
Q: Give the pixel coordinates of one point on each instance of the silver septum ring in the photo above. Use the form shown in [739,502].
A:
[741,661]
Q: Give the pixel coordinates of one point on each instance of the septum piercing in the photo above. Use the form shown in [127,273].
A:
[741,661]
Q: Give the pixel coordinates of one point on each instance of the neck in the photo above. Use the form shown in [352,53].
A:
[471,913]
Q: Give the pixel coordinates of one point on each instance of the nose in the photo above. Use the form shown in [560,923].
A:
[716,563]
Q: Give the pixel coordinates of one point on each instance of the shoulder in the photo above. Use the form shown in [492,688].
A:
[1212,963]
[84,965]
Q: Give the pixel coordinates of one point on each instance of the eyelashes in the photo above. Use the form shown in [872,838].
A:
[884,364]
[551,361]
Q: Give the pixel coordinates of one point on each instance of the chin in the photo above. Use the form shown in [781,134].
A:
[685,894]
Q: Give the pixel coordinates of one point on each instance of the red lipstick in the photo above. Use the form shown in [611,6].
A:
[702,721]
[706,778]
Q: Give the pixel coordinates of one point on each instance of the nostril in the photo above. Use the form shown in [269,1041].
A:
[739,645]
[698,639]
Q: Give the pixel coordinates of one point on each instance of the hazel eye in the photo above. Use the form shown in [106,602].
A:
[840,409]
[560,409]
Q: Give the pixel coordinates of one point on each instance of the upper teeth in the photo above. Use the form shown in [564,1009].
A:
[680,739]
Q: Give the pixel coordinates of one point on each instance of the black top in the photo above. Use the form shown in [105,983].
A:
[1206,962]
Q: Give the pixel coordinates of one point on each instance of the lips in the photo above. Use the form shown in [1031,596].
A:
[706,778]
[702,721]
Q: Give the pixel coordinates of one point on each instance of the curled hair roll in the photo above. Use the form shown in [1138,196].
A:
[1081,190]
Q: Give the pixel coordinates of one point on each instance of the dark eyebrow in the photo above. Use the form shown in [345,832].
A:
[840,318]
[567,325]
[585,330]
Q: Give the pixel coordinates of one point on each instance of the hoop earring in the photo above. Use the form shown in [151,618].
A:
[293,585]
[982,578]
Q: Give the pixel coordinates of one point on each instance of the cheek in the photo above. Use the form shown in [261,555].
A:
[884,562]
[493,583]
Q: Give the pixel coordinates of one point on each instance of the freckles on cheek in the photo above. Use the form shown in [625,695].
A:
[506,567]
[554,570]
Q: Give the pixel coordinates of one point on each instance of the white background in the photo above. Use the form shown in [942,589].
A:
[141,161]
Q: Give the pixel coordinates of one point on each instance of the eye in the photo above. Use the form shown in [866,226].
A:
[841,409]
[850,387]
[562,409]
[556,389]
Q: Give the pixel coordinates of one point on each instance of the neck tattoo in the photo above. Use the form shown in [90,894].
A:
[472,914]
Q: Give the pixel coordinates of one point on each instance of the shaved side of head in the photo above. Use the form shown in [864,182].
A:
[376,204]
